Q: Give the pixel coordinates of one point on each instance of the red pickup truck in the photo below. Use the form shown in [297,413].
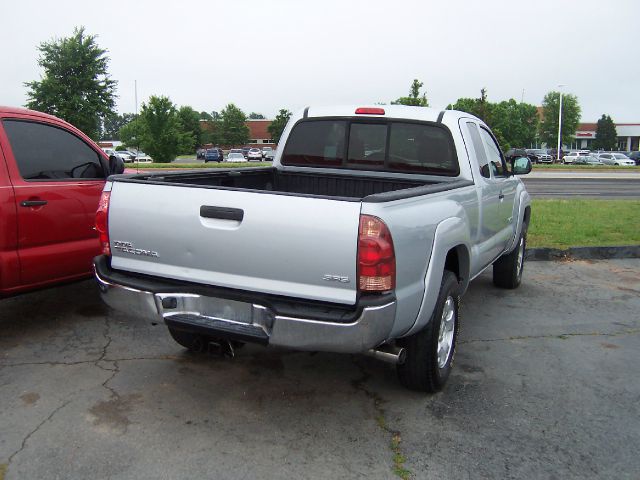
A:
[51,178]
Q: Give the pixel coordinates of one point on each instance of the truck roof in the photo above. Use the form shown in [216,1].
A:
[26,111]
[390,111]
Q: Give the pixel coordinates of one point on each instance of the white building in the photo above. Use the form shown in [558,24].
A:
[628,136]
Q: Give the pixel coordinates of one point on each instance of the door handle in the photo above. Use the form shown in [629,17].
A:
[33,203]
[222,213]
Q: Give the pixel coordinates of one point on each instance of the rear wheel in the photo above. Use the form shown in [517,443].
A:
[507,270]
[431,351]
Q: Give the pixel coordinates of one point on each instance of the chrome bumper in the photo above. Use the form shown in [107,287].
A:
[369,330]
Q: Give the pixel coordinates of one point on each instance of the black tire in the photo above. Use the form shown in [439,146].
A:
[190,341]
[507,270]
[422,369]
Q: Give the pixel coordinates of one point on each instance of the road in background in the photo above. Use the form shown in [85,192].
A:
[602,187]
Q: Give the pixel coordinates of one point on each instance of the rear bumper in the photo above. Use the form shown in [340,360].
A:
[251,322]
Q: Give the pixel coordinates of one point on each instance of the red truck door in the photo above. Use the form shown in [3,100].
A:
[57,179]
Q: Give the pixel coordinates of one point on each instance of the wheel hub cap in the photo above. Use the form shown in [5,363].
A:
[447,328]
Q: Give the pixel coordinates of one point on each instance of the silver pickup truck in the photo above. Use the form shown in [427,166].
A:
[361,238]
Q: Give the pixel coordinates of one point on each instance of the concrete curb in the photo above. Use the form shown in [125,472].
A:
[583,253]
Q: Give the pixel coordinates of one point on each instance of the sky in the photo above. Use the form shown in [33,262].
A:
[268,55]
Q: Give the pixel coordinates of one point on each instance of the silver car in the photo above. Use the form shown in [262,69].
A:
[616,159]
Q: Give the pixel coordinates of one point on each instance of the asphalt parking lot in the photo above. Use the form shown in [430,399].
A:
[545,386]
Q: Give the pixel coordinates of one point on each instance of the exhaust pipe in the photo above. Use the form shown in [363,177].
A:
[221,347]
[386,353]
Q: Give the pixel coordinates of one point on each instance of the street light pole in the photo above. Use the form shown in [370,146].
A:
[560,123]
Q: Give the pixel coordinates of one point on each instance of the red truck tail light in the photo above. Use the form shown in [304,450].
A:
[376,256]
[102,224]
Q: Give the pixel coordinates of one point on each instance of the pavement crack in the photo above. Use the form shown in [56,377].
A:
[33,432]
[561,336]
[394,444]
[91,362]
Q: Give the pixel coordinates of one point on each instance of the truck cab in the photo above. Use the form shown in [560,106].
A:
[51,177]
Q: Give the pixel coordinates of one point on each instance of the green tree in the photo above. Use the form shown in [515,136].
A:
[112,124]
[231,127]
[414,98]
[570,118]
[606,135]
[479,107]
[279,123]
[158,130]
[256,116]
[75,85]
[190,122]
[513,123]
[206,116]
[516,121]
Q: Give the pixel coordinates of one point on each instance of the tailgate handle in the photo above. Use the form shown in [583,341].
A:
[222,213]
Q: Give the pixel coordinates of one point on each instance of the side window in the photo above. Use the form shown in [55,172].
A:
[495,156]
[479,148]
[45,152]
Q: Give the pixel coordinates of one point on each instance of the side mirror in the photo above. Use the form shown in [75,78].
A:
[116,165]
[521,166]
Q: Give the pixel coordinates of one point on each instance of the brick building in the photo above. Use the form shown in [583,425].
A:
[259,135]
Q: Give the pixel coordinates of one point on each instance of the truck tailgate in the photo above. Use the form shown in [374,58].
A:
[288,245]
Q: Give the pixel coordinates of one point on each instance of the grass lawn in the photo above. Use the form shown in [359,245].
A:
[583,223]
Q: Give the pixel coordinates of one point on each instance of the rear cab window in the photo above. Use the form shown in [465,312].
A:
[376,145]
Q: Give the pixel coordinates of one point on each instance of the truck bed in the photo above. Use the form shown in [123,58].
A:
[343,187]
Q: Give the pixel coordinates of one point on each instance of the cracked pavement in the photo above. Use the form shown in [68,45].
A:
[545,386]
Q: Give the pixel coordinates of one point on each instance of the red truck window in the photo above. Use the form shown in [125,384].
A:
[45,152]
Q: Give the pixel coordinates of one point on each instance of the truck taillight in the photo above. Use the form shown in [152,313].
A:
[102,223]
[376,256]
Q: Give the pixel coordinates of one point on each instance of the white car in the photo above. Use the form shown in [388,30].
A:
[236,157]
[572,157]
[254,154]
[123,154]
[616,159]
[266,151]
[141,157]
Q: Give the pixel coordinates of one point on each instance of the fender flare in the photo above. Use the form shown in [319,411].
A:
[450,234]
[524,201]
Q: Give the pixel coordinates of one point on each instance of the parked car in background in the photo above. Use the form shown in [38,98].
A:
[200,153]
[572,156]
[254,154]
[587,160]
[51,179]
[514,153]
[635,156]
[553,153]
[236,157]
[141,157]
[122,155]
[213,155]
[616,159]
[245,151]
[538,155]
[270,156]
[265,150]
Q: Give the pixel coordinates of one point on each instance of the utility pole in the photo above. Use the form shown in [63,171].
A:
[560,123]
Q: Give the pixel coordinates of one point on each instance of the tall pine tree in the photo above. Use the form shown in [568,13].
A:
[606,135]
